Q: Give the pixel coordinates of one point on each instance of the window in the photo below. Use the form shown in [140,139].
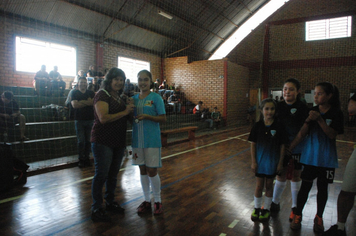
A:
[31,54]
[328,28]
[131,67]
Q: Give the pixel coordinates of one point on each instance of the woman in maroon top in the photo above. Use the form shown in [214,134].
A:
[108,142]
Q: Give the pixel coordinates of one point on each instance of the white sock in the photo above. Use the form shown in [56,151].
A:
[294,187]
[156,187]
[278,190]
[258,202]
[341,226]
[268,201]
[145,183]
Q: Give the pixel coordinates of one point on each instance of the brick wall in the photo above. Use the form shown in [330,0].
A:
[237,93]
[200,80]
[332,60]
[204,81]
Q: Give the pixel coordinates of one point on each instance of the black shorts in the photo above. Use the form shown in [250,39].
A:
[296,157]
[309,173]
[265,176]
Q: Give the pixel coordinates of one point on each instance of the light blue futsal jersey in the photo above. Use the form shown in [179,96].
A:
[147,133]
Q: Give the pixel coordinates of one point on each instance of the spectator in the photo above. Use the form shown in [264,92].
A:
[57,81]
[156,85]
[82,102]
[174,101]
[10,114]
[81,73]
[68,103]
[95,84]
[215,117]
[172,87]
[108,142]
[198,109]
[41,82]
[129,88]
[163,85]
[92,72]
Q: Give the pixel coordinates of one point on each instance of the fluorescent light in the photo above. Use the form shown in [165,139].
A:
[165,15]
[246,28]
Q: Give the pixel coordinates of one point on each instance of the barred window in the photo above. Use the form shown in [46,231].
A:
[339,27]
[131,67]
[31,54]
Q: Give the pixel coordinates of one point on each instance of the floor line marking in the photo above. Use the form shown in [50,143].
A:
[233,224]
[163,187]
[122,169]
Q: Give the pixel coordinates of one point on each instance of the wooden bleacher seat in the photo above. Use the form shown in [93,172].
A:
[190,129]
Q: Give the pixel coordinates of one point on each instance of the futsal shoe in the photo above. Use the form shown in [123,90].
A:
[291,216]
[318,224]
[265,215]
[256,214]
[334,231]
[296,222]
[158,208]
[100,215]
[275,207]
[115,208]
[144,207]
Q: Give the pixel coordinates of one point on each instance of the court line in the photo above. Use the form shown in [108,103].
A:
[122,169]
[163,187]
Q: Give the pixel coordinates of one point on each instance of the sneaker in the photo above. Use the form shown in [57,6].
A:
[296,222]
[265,215]
[115,207]
[318,224]
[334,231]
[158,208]
[275,207]
[255,214]
[100,215]
[144,207]
[291,216]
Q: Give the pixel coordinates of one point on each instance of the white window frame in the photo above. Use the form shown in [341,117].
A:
[339,27]
[31,54]
[132,66]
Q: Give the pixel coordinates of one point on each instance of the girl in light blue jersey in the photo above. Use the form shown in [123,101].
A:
[146,140]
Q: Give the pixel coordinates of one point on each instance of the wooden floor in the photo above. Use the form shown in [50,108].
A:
[207,189]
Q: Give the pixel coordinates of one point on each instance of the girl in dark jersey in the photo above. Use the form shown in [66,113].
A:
[267,138]
[292,112]
[319,157]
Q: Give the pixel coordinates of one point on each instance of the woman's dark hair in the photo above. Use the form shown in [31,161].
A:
[112,74]
[329,88]
[8,95]
[296,84]
[149,75]
[267,100]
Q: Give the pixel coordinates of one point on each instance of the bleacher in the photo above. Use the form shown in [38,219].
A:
[52,136]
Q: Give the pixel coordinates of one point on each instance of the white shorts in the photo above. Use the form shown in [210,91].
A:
[150,157]
[349,182]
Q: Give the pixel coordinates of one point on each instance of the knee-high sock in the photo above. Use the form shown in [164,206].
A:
[278,190]
[303,196]
[294,188]
[268,201]
[258,202]
[145,183]
[156,187]
[321,197]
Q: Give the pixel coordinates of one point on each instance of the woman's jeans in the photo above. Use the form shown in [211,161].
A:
[107,163]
